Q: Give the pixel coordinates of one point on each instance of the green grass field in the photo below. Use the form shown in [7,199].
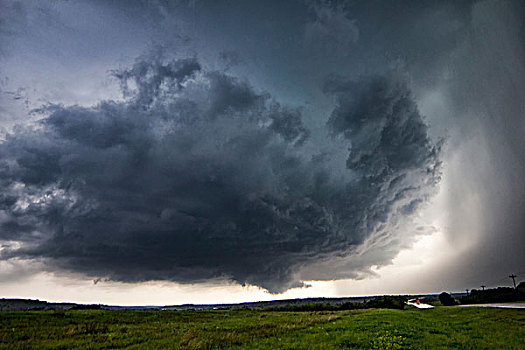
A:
[440,328]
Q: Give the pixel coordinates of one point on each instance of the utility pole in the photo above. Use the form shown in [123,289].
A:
[513,276]
[483,287]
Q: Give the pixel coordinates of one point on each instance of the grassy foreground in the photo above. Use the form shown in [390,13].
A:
[440,328]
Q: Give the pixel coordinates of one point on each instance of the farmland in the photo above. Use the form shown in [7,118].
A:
[440,328]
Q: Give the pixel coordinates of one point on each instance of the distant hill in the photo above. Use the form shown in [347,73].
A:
[28,304]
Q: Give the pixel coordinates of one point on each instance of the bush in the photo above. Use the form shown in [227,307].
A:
[446,299]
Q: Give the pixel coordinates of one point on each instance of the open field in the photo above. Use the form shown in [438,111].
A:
[439,328]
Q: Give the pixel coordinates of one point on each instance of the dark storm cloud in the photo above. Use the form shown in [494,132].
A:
[332,32]
[196,175]
[385,128]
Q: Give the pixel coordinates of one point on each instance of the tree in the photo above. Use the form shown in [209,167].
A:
[446,299]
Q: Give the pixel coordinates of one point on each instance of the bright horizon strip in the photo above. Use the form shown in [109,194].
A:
[55,288]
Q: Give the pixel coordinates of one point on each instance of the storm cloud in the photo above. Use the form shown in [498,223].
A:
[195,175]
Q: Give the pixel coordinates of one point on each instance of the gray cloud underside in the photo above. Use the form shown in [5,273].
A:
[196,176]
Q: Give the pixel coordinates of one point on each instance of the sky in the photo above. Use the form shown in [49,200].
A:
[170,152]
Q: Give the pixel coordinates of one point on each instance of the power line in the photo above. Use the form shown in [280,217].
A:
[495,282]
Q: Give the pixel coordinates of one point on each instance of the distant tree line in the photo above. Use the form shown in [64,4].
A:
[384,302]
[494,295]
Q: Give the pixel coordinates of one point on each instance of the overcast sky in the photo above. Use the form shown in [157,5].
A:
[170,152]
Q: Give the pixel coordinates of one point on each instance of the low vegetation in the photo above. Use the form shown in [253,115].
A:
[439,328]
